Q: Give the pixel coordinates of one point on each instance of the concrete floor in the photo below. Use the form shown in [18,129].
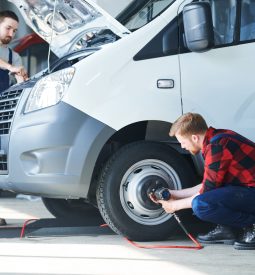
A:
[103,252]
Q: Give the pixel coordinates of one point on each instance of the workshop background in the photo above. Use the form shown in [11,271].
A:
[34,58]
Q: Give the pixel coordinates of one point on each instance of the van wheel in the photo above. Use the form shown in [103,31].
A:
[127,179]
[70,209]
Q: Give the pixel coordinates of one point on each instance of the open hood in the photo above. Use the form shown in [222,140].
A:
[70,25]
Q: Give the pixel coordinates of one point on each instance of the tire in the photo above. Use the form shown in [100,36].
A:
[127,179]
[70,209]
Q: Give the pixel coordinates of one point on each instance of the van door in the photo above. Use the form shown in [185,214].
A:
[219,84]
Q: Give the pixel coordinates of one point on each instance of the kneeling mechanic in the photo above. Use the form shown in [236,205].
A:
[226,196]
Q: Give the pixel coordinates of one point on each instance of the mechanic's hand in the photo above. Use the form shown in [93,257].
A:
[20,78]
[152,197]
[20,71]
[169,206]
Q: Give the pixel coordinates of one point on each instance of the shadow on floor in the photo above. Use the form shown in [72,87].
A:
[54,227]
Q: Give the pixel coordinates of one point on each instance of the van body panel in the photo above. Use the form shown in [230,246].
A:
[219,85]
[127,82]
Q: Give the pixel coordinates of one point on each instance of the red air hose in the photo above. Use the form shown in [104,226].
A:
[196,247]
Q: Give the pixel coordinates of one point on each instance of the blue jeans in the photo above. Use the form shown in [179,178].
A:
[232,206]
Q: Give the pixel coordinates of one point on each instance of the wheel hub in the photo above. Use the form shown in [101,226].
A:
[136,185]
[146,186]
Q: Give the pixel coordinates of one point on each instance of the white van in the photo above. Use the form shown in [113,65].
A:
[96,132]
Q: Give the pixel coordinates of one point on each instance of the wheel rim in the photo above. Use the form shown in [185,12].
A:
[139,180]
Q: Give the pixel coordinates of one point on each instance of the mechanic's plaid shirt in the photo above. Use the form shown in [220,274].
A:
[227,161]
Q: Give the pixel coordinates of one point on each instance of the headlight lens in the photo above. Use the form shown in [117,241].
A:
[49,90]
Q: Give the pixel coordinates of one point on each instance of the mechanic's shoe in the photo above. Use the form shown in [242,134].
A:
[247,241]
[2,222]
[220,234]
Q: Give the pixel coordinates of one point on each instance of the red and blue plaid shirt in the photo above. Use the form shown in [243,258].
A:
[228,160]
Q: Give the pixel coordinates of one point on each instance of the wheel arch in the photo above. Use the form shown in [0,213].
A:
[151,130]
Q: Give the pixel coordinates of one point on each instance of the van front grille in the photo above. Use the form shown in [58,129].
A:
[3,163]
[8,103]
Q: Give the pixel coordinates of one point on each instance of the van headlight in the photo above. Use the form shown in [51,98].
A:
[49,90]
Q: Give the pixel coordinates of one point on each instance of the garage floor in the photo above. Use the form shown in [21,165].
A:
[92,250]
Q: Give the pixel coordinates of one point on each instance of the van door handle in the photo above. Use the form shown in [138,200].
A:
[165,83]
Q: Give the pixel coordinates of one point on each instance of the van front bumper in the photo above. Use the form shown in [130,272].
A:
[51,152]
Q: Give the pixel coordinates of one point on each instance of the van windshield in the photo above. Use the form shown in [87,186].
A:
[141,12]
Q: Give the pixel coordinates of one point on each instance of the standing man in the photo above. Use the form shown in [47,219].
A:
[10,62]
[226,196]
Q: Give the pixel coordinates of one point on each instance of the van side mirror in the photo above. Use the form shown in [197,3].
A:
[198,26]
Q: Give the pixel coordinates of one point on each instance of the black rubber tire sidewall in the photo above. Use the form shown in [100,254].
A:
[108,189]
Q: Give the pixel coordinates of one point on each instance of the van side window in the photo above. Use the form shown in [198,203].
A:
[247,31]
[224,20]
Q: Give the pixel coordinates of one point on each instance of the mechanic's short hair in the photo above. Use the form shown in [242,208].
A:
[189,124]
[9,14]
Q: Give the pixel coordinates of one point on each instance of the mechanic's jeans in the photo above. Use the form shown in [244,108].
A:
[232,205]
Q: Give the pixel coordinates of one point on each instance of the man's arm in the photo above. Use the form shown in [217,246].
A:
[17,70]
[172,206]
[185,193]
[5,65]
